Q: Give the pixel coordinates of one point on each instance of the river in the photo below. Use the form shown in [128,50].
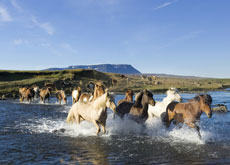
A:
[38,134]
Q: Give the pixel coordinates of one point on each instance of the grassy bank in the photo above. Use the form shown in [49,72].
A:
[11,81]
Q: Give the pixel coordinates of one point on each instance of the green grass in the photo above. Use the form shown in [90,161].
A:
[11,81]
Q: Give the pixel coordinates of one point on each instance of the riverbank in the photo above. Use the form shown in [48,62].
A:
[11,81]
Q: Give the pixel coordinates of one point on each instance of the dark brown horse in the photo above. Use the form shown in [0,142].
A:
[138,109]
[128,97]
[189,112]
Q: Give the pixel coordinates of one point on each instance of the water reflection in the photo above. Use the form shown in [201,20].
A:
[90,151]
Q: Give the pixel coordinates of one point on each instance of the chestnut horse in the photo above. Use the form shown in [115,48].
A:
[138,109]
[99,90]
[60,94]
[26,93]
[128,97]
[45,93]
[189,112]
[94,111]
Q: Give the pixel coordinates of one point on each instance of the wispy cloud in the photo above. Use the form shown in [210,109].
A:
[183,38]
[68,47]
[164,5]
[4,15]
[16,5]
[20,41]
[46,26]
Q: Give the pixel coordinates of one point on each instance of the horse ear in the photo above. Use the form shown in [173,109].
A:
[145,90]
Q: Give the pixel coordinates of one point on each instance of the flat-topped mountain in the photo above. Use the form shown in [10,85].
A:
[111,68]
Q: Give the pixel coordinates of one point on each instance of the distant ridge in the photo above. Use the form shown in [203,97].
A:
[173,76]
[111,68]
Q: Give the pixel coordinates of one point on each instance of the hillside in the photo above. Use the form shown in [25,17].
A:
[10,81]
[109,68]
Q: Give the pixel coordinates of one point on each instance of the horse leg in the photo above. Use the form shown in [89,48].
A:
[103,127]
[78,119]
[97,126]
[193,125]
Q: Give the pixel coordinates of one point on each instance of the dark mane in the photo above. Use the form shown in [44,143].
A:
[138,99]
[207,98]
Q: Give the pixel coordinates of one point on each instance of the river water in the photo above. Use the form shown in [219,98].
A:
[33,134]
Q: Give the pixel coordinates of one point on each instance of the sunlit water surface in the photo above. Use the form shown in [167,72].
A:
[38,133]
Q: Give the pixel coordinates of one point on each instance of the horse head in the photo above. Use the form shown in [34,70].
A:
[110,102]
[129,95]
[148,98]
[205,104]
[173,95]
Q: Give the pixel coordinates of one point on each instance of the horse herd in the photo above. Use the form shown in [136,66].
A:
[93,107]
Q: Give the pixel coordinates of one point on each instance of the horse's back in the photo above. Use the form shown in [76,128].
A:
[124,108]
[171,106]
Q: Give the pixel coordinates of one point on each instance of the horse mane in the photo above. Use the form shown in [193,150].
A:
[207,98]
[100,102]
[138,99]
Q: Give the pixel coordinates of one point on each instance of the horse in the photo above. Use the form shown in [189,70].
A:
[36,91]
[128,97]
[60,94]
[99,90]
[86,97]
[138,109]
[159,109]
[189,112]
[94,111]
[26,93]
[76,95]
[45,93]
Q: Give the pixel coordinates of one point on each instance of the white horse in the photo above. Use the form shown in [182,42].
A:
[76,95]
[94,111]
[160,108]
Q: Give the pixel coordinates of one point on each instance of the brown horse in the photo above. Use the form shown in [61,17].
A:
[85,97]
[189,112]
[138,109]
[60,94]
[45,93]
[99,90]
[128,97]
[26,93]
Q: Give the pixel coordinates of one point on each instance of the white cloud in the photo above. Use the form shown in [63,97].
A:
[68,47]
[164,5]
[4,15]
[20,41]
[47,27]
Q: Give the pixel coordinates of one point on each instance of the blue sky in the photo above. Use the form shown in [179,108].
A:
[182,37]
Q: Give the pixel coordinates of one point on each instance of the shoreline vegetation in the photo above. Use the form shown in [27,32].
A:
[11,81]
